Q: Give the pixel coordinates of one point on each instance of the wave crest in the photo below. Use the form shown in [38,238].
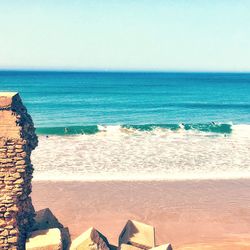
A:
[93,129]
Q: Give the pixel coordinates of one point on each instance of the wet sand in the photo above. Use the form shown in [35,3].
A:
[183,212]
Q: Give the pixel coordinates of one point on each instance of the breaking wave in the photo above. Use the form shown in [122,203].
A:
[147,152]
[93,129]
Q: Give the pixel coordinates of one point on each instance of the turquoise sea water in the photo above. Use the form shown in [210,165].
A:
[137,125]
[61,99]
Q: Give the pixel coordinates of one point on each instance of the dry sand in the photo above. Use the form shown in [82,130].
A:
[183,212]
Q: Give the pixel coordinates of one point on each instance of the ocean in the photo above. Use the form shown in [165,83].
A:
[137,125]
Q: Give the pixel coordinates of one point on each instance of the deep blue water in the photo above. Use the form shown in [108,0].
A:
[64,99]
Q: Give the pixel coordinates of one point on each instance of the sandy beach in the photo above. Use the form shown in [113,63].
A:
[112,111]
[185,213]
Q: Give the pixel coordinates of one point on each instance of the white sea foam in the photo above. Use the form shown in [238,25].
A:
[117,153]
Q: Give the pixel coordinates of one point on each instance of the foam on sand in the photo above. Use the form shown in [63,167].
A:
[118,153]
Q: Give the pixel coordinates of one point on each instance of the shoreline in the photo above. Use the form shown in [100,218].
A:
[162,156]
[141,180]
[183,212]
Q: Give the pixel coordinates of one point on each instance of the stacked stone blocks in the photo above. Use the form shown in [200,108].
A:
[17,140]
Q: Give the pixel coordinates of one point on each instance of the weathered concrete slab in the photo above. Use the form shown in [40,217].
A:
[138,234]
[163,247]
[90,240]
[49,239]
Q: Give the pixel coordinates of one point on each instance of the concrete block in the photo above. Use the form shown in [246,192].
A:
[45,219]
[163,247]
[90,240]
[66,240]
[138,234]
[49,239]
[128,247]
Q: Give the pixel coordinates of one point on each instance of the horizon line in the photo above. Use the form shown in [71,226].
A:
[100,70]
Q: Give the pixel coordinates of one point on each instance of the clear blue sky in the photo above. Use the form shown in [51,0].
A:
[212,35]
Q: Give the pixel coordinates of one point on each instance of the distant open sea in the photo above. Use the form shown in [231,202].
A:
[137,126]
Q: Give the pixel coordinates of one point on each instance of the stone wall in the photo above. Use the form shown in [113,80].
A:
[17,140]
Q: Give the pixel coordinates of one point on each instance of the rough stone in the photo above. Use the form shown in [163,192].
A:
[138,234]
[12,240]
[2,223]
[14,232]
